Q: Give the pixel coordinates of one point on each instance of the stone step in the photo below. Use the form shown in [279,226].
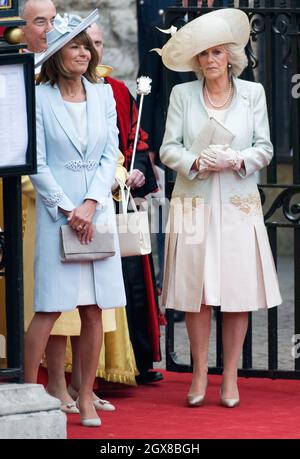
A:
[28,411]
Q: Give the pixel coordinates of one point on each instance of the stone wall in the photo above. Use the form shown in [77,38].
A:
[119,25]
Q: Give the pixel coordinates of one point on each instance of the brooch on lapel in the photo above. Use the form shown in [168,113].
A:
[245,98]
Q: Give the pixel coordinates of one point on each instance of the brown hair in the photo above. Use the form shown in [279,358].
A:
[54,67]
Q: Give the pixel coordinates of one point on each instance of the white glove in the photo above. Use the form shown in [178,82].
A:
[206,161]
[221,157]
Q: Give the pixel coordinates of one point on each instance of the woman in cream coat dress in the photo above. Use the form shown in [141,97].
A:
[227,261]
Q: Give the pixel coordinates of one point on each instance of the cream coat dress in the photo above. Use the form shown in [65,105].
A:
[245,273]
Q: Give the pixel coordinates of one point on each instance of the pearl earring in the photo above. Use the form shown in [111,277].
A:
[229,66]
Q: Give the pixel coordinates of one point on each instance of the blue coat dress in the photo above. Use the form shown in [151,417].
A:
[65,178]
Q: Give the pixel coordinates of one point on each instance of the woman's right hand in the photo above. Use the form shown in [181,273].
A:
[221,157]
[207,159]
[81,217]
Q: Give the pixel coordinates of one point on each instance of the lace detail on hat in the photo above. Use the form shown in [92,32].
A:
[53,200]
[78,165]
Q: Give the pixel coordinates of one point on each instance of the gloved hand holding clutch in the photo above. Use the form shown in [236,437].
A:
[218,157]
[205,161]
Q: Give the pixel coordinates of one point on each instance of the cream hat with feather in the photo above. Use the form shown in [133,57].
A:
[224,26]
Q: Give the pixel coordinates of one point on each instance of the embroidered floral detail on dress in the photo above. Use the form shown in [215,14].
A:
[53,200]
[247,203]
[78,165]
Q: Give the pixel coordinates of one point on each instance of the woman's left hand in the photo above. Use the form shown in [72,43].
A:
[221,157]
[81,217]
[86,234]
[136,179]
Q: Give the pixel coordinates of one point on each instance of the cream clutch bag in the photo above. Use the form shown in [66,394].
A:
[213,133]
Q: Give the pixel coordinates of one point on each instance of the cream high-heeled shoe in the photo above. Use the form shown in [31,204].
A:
[89,422]
[98,403]
[196,399]
[229,402]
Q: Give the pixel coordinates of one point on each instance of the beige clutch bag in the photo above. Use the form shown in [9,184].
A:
[102,245]
[213,133]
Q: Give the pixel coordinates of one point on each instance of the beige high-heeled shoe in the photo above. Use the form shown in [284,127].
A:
[229,402]
[88,422]
[196,399]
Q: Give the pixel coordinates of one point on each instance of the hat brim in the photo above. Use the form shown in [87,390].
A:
[224,26]
[103,70]
[40,58]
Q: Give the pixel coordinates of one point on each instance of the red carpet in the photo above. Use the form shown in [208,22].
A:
[268,410]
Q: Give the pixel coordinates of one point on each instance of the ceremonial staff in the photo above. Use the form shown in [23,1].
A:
[143,89]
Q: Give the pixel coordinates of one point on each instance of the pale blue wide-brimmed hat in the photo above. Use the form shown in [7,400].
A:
[65,28]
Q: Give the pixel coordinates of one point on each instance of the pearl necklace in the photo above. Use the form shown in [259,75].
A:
[229,96]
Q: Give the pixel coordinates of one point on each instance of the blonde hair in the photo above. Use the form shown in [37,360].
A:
[236,57]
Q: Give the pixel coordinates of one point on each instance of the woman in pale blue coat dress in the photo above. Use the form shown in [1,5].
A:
[77,148]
